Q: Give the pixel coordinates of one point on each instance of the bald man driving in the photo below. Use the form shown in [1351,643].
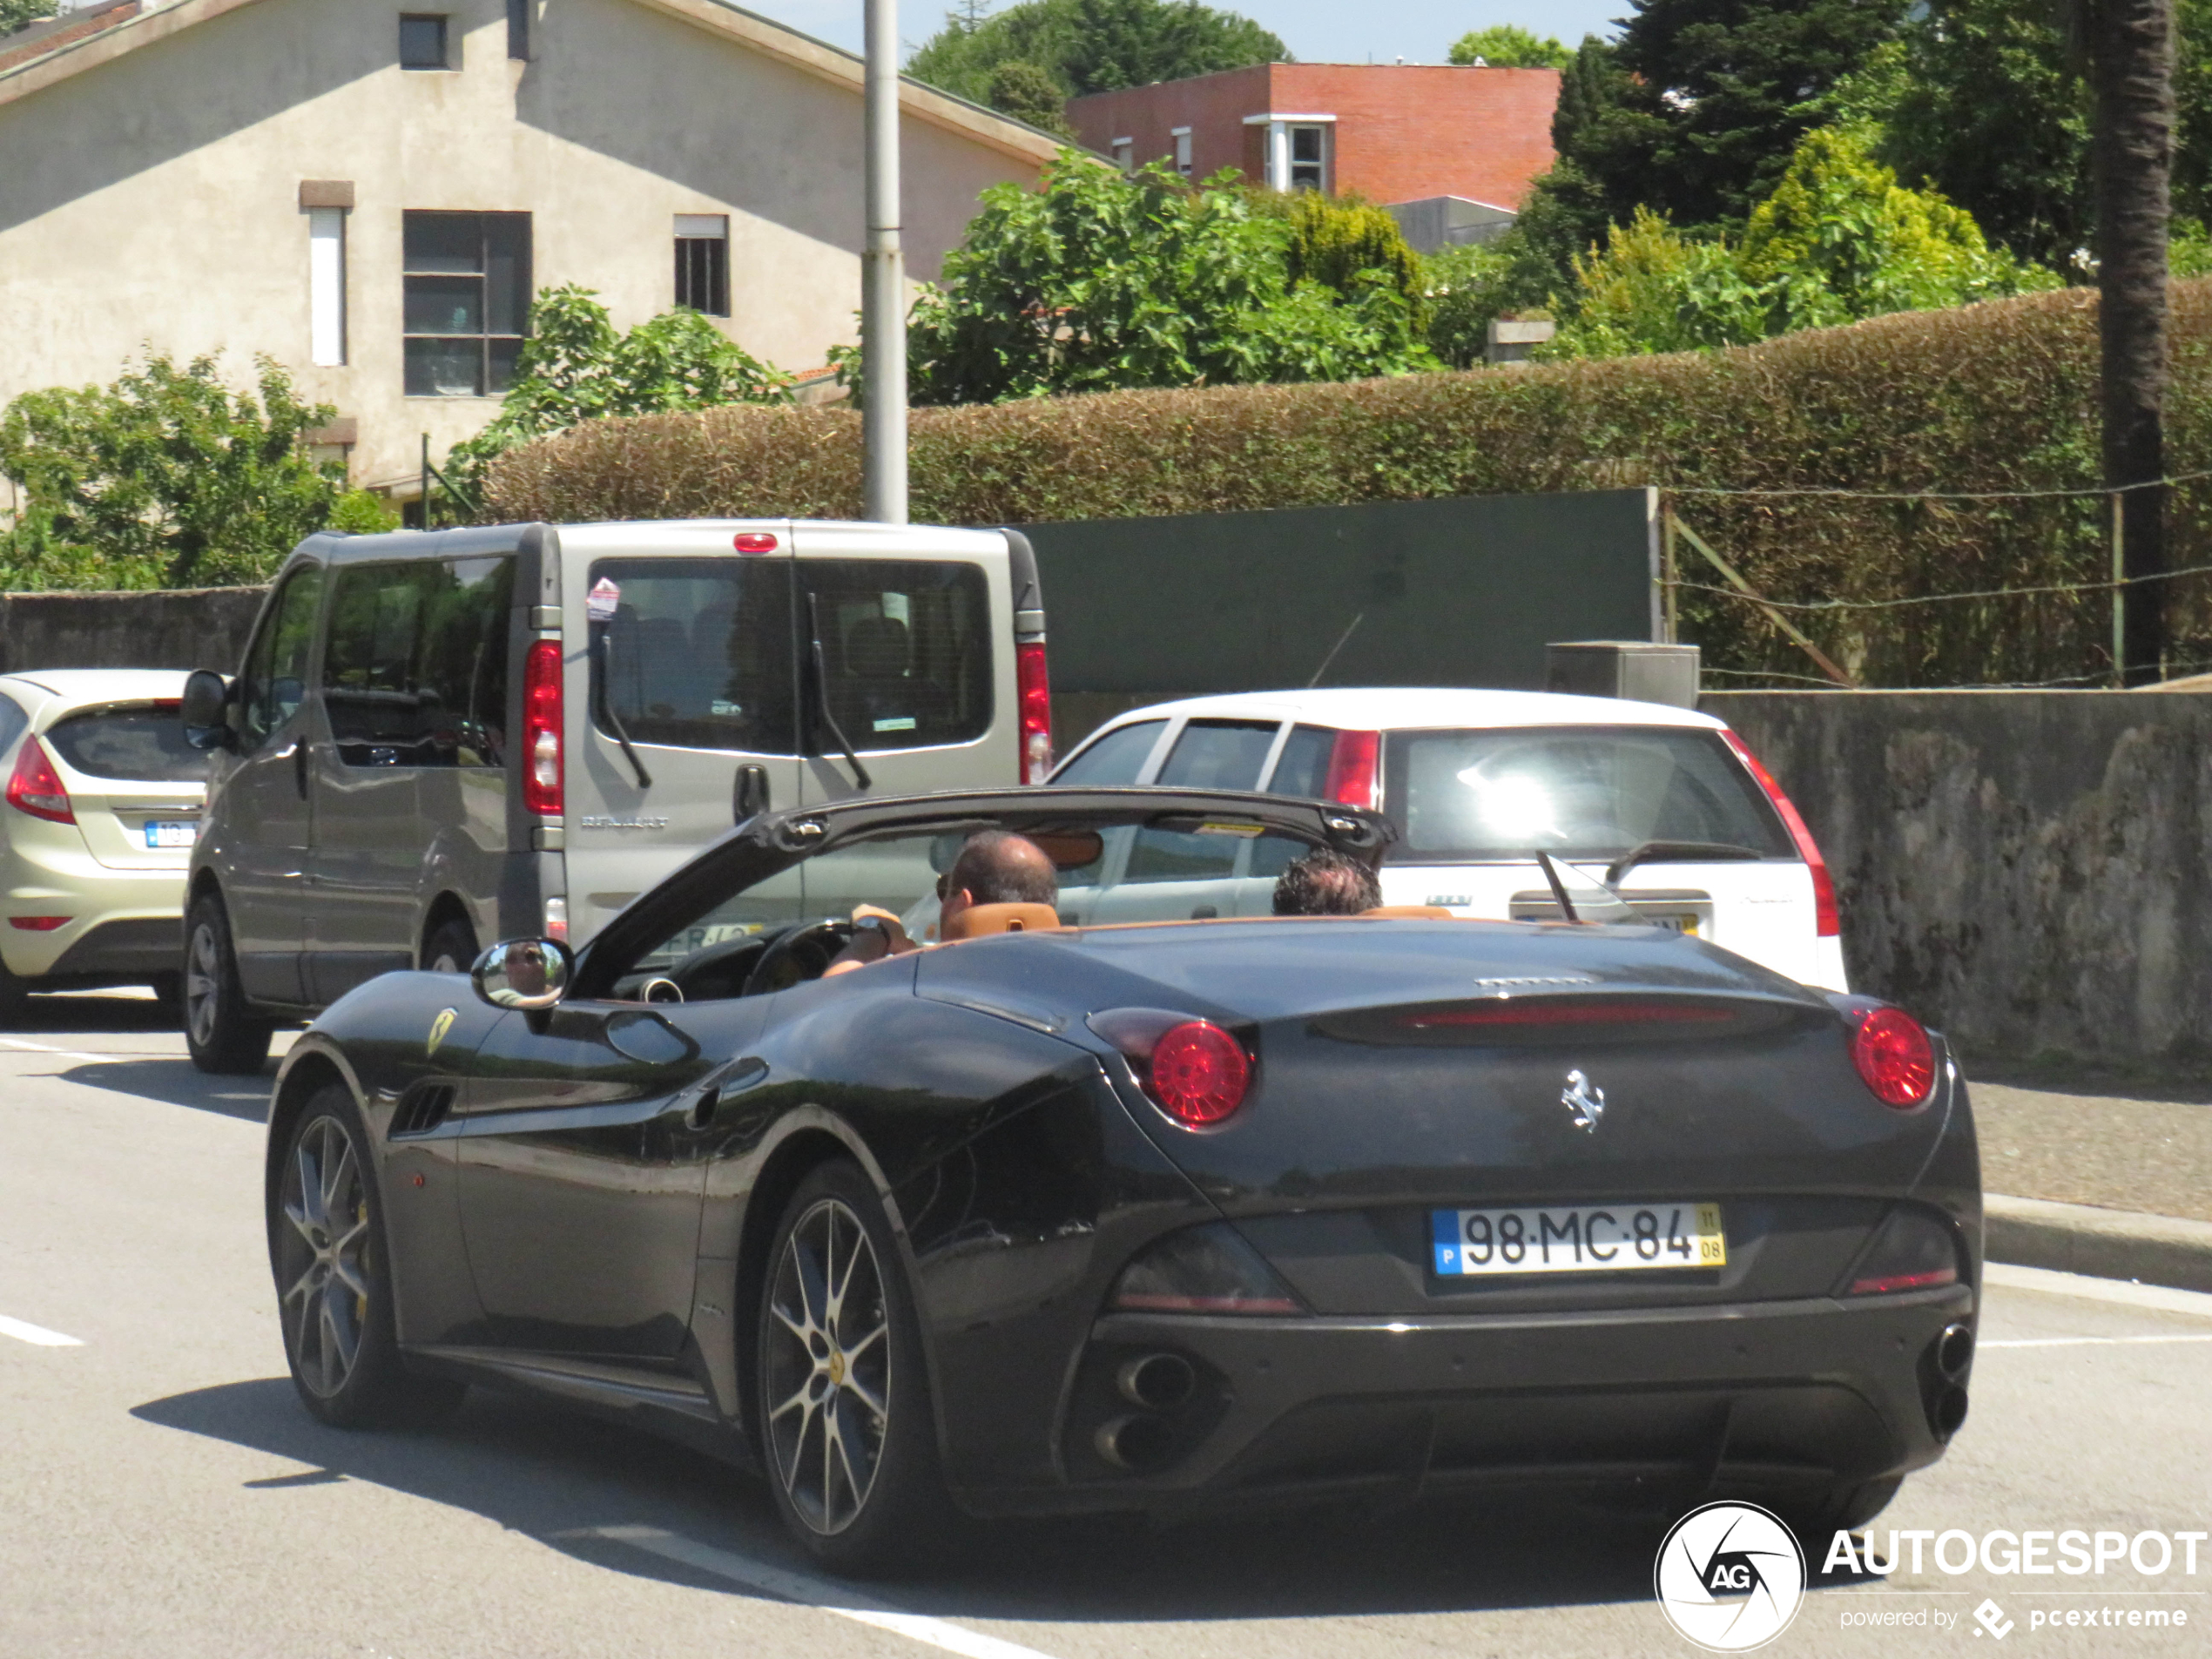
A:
[995,866]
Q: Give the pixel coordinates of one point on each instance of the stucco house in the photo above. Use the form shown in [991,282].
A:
[369,191]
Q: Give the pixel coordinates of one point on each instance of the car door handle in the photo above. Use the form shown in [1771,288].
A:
[732,1079]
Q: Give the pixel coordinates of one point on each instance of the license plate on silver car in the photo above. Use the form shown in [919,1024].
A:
[1578,1238]
[171,834]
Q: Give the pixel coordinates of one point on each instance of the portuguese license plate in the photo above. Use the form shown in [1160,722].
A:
[171,834]
[1580,1238]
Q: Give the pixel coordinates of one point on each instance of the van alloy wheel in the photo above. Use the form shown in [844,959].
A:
[203,965]
[827,1385]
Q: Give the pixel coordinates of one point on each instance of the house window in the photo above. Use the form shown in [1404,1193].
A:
[326,286]
[1308,156]
[1182,136]
[467,277]
[422,42]
[1125,154]
[703,263]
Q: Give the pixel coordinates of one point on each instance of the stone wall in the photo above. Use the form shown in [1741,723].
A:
[186,628]
[2031,871]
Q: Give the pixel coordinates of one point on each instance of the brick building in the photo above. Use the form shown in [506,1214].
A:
[1396,133]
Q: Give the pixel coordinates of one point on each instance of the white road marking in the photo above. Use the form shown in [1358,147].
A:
[2122,1292]
[37,1335]
[63,1054]
[2084,1342]
[810,1592]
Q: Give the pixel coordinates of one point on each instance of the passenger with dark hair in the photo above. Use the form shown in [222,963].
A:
[1326,883]
[995,866]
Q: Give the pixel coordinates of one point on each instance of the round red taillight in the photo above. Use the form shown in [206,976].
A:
[753,541]
[1198,1073]
[1893,1054]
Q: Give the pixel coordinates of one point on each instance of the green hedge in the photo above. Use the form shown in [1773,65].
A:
[1994,397]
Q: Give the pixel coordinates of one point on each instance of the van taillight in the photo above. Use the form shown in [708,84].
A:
[36,788]
[1034,698]
[1355,770]
[542,791]
[1828,920]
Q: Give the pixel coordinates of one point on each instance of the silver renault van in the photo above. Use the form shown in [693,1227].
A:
[439,740]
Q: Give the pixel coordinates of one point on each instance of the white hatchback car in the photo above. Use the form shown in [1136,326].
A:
[103,800]
[1665,805]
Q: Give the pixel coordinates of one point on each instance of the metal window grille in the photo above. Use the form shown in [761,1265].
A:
[466,283]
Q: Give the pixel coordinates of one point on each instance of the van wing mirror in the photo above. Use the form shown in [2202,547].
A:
[205,710]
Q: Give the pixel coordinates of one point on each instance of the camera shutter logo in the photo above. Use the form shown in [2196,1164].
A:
[1729,1577]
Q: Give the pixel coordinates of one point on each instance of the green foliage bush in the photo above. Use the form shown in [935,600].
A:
[166,478]
[1994,397]
[1099,282]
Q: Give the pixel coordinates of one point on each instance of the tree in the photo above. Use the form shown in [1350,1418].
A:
[1027,93]
[1093,45]
[1098,282]
[1505,46]
[166,478]
[1702,102]
[14,14]
[1839,240]
[574,366]
[1343,243]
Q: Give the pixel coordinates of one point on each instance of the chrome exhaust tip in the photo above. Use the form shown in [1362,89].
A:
[1158,1382]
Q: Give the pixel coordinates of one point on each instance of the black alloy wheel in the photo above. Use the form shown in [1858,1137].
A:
[845,1426]
[221,1032]
[333,1289]
[451,947]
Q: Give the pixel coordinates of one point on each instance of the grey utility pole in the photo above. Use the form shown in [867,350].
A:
[883,280]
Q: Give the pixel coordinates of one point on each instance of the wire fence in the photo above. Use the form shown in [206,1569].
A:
[1932,589]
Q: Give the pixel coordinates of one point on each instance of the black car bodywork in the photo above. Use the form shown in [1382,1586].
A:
[580,1200]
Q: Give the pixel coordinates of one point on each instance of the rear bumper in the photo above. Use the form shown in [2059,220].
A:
[1755,1398]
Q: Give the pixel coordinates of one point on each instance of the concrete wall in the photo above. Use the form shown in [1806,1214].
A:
[150,184]
[2030,870]
[190,628]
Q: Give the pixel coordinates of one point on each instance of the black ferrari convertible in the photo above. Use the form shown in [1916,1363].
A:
[1147,1200]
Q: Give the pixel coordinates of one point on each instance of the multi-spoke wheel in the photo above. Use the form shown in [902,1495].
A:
[220,1030]
[844,1404]
[326,1244]
[327,1257]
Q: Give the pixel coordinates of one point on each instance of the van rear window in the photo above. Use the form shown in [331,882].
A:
[693,653]
[139,742]
[906,650]
[1579,792]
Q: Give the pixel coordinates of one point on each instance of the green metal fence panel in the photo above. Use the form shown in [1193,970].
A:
[1455,592]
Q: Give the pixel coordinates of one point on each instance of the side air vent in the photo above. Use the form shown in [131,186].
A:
[422,1108]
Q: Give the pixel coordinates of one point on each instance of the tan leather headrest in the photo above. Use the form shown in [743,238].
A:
[1420,912]
[980,918]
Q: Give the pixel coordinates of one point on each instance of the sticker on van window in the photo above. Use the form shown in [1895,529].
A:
[723,705]
[904,722]
[604,599]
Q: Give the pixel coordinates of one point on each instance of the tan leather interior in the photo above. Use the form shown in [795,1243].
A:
[979,919]
[1424,912]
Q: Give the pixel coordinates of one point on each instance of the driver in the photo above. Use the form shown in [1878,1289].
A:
[995,866]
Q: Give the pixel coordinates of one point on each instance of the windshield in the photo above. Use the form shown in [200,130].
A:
[1579,791]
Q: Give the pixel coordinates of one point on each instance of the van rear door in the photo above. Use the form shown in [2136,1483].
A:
[907,659]
[679,699]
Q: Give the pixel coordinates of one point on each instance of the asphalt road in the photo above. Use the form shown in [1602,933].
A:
[162,1493]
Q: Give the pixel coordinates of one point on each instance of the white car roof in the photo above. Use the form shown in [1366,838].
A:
[75,688]
[1396,708]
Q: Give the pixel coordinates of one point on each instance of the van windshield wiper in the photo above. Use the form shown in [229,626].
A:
[613,721]
[821,693]
[1696,851]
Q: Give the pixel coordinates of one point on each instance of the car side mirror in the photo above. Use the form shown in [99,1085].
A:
[522,973]
[204,711]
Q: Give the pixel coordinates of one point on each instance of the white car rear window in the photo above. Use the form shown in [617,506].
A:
[1579,791]
[144,744]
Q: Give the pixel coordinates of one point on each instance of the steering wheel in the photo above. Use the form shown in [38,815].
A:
[801,951]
